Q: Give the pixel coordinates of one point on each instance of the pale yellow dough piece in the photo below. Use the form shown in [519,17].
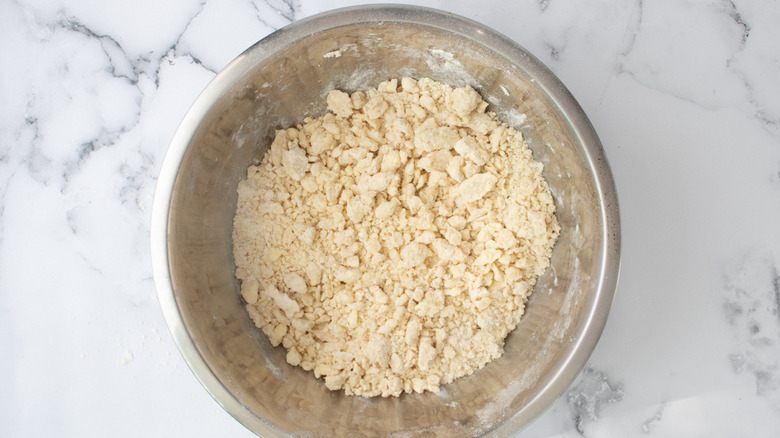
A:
[391,244]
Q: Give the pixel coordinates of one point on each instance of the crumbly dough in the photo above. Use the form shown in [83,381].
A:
[390,245]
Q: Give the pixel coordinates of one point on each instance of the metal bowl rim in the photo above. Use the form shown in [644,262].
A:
[545,79]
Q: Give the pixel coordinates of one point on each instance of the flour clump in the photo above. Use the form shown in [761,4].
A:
[391,245]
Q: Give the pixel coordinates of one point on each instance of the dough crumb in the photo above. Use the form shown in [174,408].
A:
[391,244]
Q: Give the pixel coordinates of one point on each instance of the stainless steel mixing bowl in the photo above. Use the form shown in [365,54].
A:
[281,80]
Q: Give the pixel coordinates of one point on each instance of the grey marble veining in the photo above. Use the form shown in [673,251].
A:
[685,98]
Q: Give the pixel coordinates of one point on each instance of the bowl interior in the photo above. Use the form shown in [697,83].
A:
[284,79]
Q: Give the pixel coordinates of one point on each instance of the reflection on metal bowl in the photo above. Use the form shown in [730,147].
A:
[283,79]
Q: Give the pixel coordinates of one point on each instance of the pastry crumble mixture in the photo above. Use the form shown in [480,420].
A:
[391,245]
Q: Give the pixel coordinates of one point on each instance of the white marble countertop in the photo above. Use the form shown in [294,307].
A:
[684,95]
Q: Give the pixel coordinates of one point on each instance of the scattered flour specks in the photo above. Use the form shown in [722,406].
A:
[127,358]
